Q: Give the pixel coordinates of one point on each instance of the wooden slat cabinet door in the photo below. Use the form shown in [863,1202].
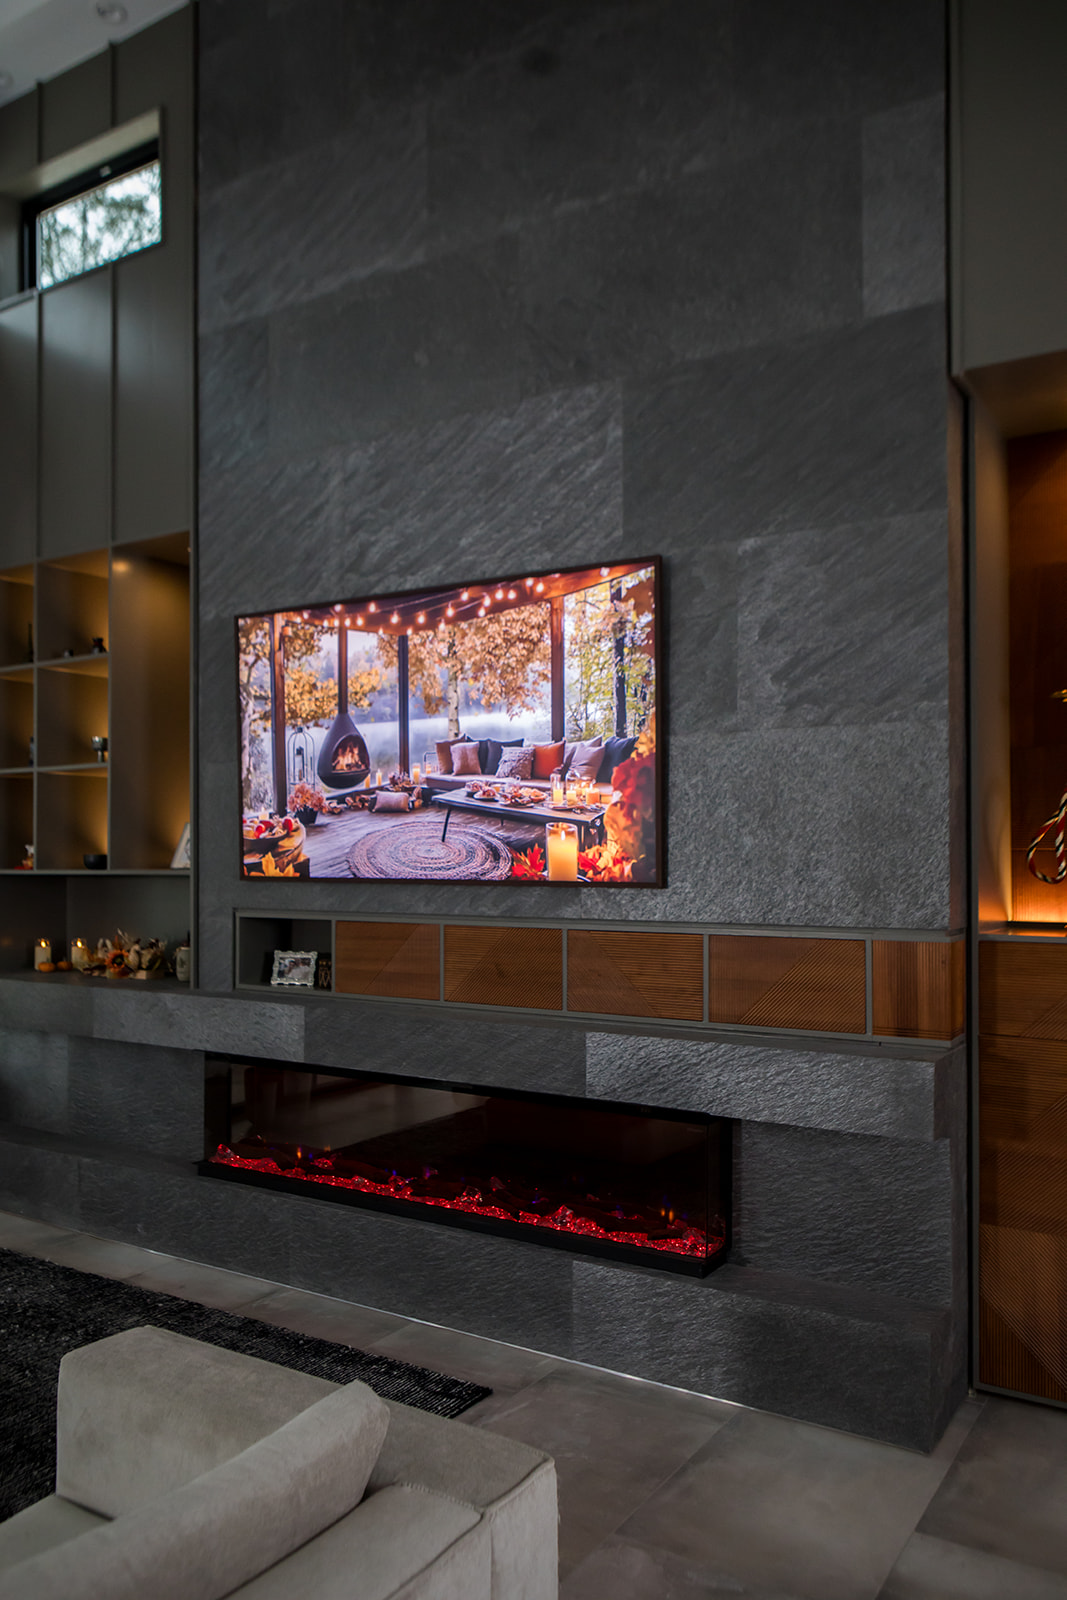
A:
[1022,1274]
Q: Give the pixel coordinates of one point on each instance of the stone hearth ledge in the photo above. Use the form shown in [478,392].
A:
[839,1355]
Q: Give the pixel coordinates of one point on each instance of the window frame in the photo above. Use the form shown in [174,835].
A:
[84,182]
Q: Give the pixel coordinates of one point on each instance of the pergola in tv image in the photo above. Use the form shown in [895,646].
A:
[402,616]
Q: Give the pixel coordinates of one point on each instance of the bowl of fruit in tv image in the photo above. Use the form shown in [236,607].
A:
[273,847]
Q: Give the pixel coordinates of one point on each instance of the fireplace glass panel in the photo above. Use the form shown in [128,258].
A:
[605,1180]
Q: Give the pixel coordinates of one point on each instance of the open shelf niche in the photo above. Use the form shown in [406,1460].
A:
[97,646]
[1019,953]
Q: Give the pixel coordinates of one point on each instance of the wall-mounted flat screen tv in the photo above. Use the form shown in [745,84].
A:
[485,732]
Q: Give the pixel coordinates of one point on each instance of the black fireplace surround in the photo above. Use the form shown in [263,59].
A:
[620,1181]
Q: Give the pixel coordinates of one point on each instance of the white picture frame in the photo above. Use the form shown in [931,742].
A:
[182,856]
[294,968]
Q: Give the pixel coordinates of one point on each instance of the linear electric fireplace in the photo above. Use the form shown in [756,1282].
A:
[608,1180]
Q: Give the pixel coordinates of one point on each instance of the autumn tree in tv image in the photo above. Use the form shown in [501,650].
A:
[481,732]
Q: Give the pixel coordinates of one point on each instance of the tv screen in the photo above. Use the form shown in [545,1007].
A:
[486,732]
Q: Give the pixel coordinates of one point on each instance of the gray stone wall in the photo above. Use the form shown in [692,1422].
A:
[491,286]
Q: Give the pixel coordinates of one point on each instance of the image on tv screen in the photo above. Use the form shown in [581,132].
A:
[491,732]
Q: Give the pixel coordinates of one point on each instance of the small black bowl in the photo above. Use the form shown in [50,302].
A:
[95,863]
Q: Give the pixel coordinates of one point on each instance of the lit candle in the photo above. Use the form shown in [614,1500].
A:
[42,953]
[79,954]
[378,778]
[562,842]
[416,772]
[557,789]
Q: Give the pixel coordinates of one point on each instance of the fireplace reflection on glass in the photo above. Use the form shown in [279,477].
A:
[617,1181]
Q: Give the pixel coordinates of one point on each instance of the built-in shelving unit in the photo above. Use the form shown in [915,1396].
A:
[95,646]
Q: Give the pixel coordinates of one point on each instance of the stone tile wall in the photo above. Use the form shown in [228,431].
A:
[549,283]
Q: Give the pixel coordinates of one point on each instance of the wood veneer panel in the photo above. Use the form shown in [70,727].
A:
[765,982]
[504,966]
[636,974]
[1023,989]
[1023,1215]
[394,960]
[917,988]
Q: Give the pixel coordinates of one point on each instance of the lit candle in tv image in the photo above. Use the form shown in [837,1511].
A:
[42,954]
[561,839]
[441,729]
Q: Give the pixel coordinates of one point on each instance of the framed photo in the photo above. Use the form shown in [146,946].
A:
[295,968]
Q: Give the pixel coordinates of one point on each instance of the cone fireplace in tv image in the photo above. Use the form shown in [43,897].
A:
[622,1181]
[493,731]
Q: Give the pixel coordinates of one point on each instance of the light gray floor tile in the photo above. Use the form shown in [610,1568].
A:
[107,1257]
[792,1507]
[619,1570]
[613,1445]
[27,1235]
[464,1355]
[1006,1492]
[324,1318]
[937,1569]
[208,1286]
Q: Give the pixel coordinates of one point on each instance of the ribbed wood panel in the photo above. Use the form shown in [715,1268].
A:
[394,960]
[504,966]
[787,983]
[1023,989]
[1023,1215]
[636,974]
[1006,1362]
[917,988]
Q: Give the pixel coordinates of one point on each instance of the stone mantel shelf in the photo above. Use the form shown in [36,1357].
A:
[900,1091]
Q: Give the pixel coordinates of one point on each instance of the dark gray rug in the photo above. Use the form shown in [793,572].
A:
[46,1310]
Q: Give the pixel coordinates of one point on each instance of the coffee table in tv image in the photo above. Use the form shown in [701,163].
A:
[587,819]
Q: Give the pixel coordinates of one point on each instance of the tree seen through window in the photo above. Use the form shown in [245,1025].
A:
[115,219]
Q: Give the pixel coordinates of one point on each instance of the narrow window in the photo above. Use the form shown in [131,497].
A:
[102,216]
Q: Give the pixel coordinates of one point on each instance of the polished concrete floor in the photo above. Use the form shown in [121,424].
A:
[672,1496]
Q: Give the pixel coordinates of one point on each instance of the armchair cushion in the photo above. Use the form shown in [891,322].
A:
[50,1522]
[403,1543]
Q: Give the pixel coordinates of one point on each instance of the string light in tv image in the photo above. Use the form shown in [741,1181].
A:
[500,731]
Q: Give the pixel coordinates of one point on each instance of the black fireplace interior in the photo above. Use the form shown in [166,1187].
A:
[623,1181]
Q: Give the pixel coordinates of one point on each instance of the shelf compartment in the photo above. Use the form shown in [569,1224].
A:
[72,604]
[148,906]
[16,614]
[16,818]
[16,721]
[150,761]
[259,937]
[71,818]
[72,710]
